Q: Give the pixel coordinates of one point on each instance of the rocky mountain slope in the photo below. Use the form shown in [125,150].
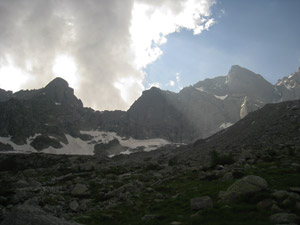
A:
[201,110]
[245,174]
[52,117]
[51,111]
[53,120]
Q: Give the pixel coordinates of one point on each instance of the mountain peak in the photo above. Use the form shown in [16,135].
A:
[154,89]
[236,69]
[59,90]
[58,82]
[243,81]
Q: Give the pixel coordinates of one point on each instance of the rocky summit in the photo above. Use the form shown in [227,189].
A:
[242,168]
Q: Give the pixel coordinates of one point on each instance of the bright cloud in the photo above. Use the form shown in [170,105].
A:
[151,23]
[100,47]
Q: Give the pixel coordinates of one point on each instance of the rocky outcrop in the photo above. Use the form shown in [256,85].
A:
[244,187]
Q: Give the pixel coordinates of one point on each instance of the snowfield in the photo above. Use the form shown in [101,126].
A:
[76,146]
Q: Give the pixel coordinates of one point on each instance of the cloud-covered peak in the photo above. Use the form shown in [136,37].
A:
[99,47]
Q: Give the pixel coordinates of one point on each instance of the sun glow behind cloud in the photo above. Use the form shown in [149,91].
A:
[65,67]
[126,86]
[12,77]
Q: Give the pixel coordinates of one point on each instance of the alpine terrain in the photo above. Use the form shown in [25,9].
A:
[227,152]
[53,120]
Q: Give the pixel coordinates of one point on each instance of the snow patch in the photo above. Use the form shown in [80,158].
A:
[221,97]
[76,146]
[26,148]
[57,103]
[101,136]
[201,89]
[225,125]
[148,144]
[289,87]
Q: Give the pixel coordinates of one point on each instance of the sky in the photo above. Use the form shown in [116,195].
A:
[111,51]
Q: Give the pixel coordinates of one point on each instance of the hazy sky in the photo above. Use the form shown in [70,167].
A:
[111,50]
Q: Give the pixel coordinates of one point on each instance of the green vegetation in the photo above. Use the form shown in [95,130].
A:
[278,177]
[220,159]
[169,201]
[173,204]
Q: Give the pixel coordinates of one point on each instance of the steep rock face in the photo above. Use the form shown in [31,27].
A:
[200,110]
[204,111]
[157,114]
[51,111]
[243,82]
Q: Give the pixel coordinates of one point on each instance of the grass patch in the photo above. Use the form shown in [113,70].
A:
[220,159]
[278,177]
[170,201]
[175,206]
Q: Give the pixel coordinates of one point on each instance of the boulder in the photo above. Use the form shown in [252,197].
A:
[227,177]
[80,190]
[28,215]
[265,204]
[200,203]
[244,187]
[280,195]
[74,205]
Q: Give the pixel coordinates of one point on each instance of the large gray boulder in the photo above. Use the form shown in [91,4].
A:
[284,218]
[244,187]
[200,203]
[30,215]
[80,190]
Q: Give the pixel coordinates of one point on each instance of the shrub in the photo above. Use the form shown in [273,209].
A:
[220,159]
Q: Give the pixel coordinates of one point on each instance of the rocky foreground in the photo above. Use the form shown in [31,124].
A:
[238,176]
